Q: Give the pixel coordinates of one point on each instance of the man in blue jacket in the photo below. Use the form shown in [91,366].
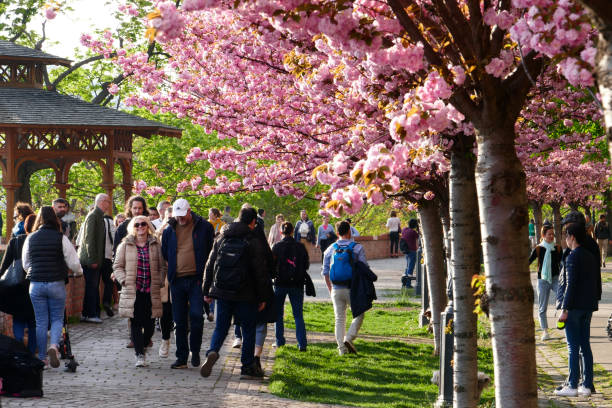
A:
[185,246]
[340,291]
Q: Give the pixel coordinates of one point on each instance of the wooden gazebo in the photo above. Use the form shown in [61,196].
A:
[44,129]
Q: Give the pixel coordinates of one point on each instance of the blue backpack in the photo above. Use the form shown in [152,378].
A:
[341,270]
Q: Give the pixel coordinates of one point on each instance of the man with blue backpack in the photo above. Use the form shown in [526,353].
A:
[339,263]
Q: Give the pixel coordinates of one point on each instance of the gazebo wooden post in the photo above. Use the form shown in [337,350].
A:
[126,168]
[9,180]
[61,178]
[108,180]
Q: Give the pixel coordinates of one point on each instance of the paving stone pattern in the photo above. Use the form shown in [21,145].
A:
[107,376]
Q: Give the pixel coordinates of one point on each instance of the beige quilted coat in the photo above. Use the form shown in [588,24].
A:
[126,263]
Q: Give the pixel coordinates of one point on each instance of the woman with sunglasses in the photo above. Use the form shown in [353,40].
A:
[579,291]
[141,270]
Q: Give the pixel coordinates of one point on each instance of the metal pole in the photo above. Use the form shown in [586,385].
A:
[445,394]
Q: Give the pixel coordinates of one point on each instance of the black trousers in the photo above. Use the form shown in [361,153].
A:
[166,322]
[142,323]
[394,241]
[105,272]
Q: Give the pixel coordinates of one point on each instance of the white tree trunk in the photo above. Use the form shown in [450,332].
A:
[502,202]
[536,206]
[465,262]
[434,260]
[556,207]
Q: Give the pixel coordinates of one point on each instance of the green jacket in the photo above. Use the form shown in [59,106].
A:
[91,249]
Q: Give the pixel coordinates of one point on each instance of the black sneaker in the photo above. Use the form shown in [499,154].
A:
[179,364]
[109,311]
[195,359]
[211,359]
[351,348]
[252,372]
[258,361]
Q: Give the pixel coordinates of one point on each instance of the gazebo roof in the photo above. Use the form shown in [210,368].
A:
[40,108]
[12,51]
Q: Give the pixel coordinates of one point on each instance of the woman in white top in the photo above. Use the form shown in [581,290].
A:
[275,232]
[47,257]
[394,226]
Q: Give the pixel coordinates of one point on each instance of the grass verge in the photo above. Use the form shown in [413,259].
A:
[389,374]
[398,319]
[384,319]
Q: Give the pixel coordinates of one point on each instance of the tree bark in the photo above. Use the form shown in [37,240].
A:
[556,208]
[536,206]
[446,230]
[601,16]
[465,262]
[434,259]
[502,202]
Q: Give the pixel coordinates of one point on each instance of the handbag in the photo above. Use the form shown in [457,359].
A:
[14,277]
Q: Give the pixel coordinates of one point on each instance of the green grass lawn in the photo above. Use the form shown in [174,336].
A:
[384,319]
[398,319]
[383,374]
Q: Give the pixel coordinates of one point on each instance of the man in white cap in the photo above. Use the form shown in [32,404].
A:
[185,246]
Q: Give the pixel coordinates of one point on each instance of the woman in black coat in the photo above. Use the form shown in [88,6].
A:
[578,298]
[20,302]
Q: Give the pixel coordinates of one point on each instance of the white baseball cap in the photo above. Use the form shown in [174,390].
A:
[180,208]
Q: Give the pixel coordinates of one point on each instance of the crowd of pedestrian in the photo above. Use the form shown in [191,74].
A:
[169,264]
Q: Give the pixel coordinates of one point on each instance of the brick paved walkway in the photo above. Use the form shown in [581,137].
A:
[107,375]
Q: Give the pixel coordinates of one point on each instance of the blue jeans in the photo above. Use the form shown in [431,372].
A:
[91,300]
[246,312]
[187,302]
[296,297]
[544,289]
[19,330]
[411,257]
[48,300]
[578,333]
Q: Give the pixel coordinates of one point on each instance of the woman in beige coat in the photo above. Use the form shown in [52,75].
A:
[141,270]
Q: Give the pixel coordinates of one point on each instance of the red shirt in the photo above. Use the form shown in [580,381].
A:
[410,236]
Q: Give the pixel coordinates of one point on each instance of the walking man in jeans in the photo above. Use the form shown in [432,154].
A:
[410,237]
[341,291]
[91,256]
[240,288]
[186,244]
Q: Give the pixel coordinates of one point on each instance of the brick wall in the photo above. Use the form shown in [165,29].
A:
[376,247]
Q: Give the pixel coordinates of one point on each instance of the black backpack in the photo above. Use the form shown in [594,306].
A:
[231,266]
[289,268]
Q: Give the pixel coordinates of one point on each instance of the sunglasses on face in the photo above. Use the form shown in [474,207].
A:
[140,224]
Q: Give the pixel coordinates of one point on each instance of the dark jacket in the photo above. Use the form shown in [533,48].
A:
[258,287]
[120,233]
[311,237]
[46,256]
[602,230]
[18,302]
[579,281]
[280,250]
[362,288]
[203,235]
[555,258]
[91,250]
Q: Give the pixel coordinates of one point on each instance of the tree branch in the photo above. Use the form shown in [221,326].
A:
[74,67]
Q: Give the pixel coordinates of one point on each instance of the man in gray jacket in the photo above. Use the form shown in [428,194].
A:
[91,256]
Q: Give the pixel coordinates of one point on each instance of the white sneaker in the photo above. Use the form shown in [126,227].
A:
[545,336]
[164,348]
[237,343]
[567,391]
[141,361]
[583,391]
